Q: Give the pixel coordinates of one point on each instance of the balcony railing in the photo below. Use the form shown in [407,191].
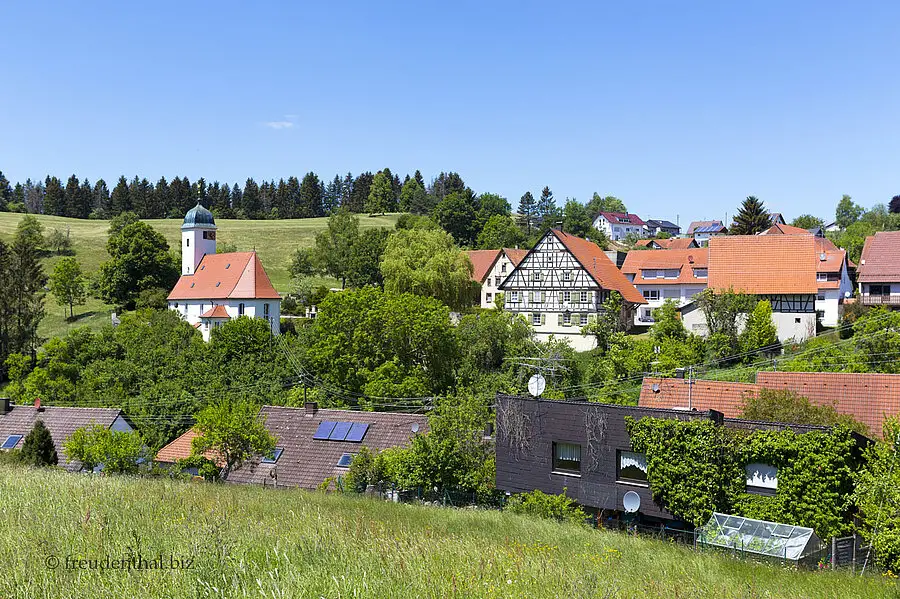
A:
[880,300]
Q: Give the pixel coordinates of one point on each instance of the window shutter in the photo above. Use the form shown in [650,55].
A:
[559,319]
[543,319]
[543,296]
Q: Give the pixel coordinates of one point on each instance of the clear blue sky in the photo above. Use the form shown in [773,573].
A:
[679,108]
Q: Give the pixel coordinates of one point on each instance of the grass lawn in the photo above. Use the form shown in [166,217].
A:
[250,541]
[274,240]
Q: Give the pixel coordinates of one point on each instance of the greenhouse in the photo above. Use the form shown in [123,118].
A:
[780,541]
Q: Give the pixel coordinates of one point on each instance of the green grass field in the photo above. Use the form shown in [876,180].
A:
[274,240]
[255,542]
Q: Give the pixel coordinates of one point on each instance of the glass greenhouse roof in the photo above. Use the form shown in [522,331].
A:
[783,541]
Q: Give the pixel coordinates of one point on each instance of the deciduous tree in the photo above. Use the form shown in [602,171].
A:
[67,284]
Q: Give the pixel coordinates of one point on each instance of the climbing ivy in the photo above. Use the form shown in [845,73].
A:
[696,467]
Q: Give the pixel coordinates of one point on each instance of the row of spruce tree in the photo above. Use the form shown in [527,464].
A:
[308,197]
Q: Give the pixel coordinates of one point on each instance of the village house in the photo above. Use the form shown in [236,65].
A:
[832,274]
[654,227]
[490,268]
[17,421]
[312,444]
[214,288]
[662,275]
[561,283]
[704,230]
[583,449]
[618,225]
[779,268]
[878,273]
[868,398]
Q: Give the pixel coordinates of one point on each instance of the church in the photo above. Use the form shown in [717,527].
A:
[214,288]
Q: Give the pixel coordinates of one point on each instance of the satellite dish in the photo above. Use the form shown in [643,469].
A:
[536,385]
[415,427]
[631,501]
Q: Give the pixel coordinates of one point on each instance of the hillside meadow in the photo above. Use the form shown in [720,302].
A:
[231,541]
[274,240]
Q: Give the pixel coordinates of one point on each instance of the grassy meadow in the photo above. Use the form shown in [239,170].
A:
[274,240]
[250,541]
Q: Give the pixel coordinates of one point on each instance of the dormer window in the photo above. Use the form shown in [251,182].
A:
[218,283]
[227,266]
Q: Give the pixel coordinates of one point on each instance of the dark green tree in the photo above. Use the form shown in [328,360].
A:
[139,260]
[364,266]
[753,218]
[54,197]
[359,192]
[546,208]
[413,198]
[528,211]
[67,284]
[309,201]
[600,204]
[807,221]
[251,204]
[894,205]
[38,449]
[456,215]
[120,200]
[381,194]
[576,220]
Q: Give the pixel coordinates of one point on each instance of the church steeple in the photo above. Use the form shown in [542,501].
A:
[198,238]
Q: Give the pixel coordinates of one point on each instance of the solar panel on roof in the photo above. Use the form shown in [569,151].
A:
[340,431]
[324,430]
[11,441]
[357,432]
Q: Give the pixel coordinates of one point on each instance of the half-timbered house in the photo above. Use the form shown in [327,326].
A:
[561,284]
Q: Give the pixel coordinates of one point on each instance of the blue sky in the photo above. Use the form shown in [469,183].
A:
[679,108]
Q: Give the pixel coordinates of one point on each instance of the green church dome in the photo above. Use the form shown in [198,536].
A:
[198,216]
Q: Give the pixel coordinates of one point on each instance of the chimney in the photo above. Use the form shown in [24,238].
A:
[37,404]
[5,406]
[311,407]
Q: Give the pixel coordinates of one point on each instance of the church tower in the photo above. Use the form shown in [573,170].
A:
[198,238]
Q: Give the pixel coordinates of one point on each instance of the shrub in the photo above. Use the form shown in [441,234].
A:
[38,449]
[551,507]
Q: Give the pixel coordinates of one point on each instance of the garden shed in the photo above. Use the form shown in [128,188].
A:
[770,539]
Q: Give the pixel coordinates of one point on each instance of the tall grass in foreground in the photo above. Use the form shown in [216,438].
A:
[253,542]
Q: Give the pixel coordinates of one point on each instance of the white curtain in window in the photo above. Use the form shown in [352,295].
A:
[629,458]
[568,451]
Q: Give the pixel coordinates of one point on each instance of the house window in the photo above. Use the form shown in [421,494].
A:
[488,297]
[536,276]
[240,309]
[535,319]
[879,289]
[651,295]
[567,458]
[820,297]
[266,310]
[567,275]
[271,459]
[567,296]
[762,479]
[632,467]
[514,297]
[345,460]
[187,242]
[503,267]
[567,318]
[584,319]
[496,281]
[821,276]
[671,273]
[584,297]
[701,273]
[648,273]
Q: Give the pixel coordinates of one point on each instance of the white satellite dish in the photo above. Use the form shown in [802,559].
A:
[631,501]
[415,427]
[536,385]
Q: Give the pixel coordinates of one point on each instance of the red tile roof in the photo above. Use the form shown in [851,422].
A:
[215,312]
[515,255]
[777,229]
[600,267]
[684,260]
[614,218]
[672,243]
[669,393]
[181,448]
[880,261]
[868,398]
[763,264]
[482,261]
[224,276]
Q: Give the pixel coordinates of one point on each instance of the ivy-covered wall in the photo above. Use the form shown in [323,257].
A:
[695,468]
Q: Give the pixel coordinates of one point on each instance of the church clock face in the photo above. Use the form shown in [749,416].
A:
[209,235]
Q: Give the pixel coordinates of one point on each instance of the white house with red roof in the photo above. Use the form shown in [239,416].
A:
[617,225]
[214,288]
[561,283]
[490,268]
[661,275]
